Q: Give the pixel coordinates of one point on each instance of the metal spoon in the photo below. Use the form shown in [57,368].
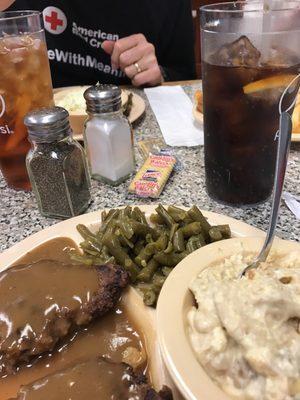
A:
[285,129]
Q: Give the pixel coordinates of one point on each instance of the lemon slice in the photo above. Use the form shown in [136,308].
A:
[274,82]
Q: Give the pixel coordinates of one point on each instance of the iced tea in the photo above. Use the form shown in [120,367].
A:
[250,55]
[25,84]
[241,122]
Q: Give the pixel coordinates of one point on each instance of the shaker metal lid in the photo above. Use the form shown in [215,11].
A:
[103,98]
[47,124]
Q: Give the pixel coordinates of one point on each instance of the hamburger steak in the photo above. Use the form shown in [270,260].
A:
[42,302]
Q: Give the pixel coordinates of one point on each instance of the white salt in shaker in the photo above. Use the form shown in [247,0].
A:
[108,136]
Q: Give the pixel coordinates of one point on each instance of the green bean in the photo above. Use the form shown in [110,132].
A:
[178,214]
[140,229]
[163,213]
[169,260]
[147,272]
[145,254]
[140,216]
[125,212]
[110,260]
[162,242]
[150,298]
[145,286]
[86,233]
[166,270]
[178,241]
[103,216]
[148,253]
[128,211]
[89,237]
[156,219]
[100,261]
[113,244]
[138,246]
[99,236]
[159,280]
[149,238]
[214,234]
[123,239]
[225,231]
[197,216]
[169,248]
[173,229]
[78,258]
[201,239]
[110,216]
[125,225]
[194,228]
[91,252]
[194,243]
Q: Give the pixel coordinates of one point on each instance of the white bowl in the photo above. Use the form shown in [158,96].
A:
[176,300]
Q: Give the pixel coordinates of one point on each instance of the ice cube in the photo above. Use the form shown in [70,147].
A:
[18,55]
[240,53]
[282,57]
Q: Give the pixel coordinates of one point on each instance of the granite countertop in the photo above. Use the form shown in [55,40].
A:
[19,216]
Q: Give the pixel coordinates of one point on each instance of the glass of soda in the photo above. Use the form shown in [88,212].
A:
[25,84]
[250,54]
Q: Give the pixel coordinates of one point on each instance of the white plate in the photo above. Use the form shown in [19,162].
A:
[197,115]
[146,315]
[296,137]
[77,118]
[176,300]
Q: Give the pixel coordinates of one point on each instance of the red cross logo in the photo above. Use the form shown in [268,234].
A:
[55,20]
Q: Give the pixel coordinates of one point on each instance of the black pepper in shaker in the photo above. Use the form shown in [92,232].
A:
[56,164]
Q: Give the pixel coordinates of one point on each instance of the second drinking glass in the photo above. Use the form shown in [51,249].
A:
[249,57]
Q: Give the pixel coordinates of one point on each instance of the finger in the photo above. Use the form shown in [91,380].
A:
[108,46]
[123,45]
[149,77]
[135,54]
[145,63]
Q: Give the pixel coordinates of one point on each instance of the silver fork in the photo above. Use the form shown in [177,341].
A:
[284,141]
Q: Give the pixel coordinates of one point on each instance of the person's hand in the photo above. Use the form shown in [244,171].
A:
[136,57]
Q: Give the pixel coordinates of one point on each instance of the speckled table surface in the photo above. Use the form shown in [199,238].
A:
[19,216]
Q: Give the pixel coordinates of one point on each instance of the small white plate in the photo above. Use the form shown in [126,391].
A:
[198,116]
[296,137]
[77,118]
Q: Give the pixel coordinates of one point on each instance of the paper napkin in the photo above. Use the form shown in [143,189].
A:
[293,203]
[174,113]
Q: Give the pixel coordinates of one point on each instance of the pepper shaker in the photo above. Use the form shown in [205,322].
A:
[56,164]
[108,137]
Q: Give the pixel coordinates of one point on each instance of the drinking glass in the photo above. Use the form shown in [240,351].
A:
[25,84]
[250,54]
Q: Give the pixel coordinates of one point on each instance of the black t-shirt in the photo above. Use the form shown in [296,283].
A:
[75,30]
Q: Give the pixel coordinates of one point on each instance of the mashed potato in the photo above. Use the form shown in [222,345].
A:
[73,100]
[245,332]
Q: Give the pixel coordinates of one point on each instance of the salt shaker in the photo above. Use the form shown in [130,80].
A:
[56,164]
[108,136]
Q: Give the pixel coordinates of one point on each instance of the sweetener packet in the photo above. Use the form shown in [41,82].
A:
[153,175]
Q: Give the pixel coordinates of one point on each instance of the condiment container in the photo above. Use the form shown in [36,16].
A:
[108,137]
[56,164]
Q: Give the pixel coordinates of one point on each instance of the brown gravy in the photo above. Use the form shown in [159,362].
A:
[109,336]
[93,380]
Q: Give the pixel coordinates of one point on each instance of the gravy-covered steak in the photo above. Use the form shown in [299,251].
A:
[42,302]
[95,379]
